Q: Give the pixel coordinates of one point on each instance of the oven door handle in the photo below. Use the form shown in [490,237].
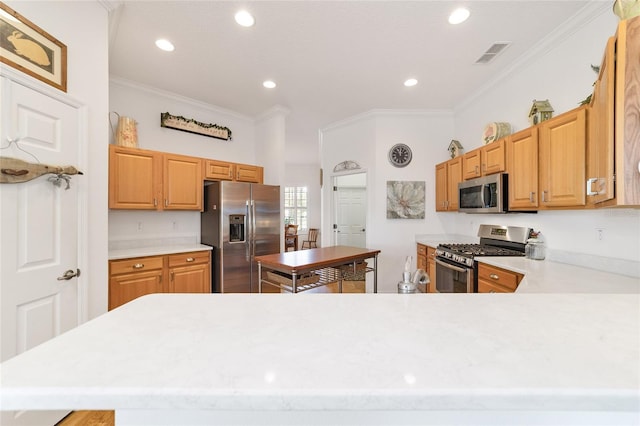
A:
[450,266]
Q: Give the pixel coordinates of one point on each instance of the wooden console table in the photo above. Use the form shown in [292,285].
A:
[302,270]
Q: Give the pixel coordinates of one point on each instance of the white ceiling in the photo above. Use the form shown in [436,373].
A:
[330,59]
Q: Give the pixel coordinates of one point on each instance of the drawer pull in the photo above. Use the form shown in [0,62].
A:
[494,277]
[191,259]
[492,291]
[138,266]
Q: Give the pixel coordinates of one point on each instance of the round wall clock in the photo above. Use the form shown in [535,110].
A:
[400,155]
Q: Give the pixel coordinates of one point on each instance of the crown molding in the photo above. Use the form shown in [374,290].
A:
[588,13]
[198,104]
[378,113]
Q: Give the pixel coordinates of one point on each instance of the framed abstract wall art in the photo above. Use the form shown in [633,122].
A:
[405,199]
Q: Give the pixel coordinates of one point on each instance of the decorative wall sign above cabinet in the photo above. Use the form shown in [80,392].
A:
[192,126]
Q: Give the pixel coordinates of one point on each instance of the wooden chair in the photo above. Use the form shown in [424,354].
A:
[311,239]
[291,237]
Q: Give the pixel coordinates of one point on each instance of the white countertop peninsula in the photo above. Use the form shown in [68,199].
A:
[374,359]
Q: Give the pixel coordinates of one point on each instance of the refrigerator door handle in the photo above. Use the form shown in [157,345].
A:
[253,229]
[248,236]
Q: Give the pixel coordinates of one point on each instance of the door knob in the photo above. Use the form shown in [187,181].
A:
[68,274]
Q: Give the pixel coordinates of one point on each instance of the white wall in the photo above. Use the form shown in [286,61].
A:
[367,139]
[87,82]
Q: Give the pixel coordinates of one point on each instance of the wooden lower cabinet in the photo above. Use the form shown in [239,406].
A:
[176,273]
[426,260]
[132,278]
[190,273]
[431,263]
[492,279]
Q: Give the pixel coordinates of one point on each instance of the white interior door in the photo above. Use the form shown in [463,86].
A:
[351,216]
[39,224]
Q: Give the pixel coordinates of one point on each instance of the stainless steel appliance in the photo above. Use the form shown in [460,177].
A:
[456,268]
[488,194]
[240,221]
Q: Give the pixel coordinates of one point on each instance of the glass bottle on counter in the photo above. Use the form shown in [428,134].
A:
[535,248]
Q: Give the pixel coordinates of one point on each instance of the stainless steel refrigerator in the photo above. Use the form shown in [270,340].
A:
[240,221]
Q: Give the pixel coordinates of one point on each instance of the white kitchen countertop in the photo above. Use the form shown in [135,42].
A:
[456,353]
[547,276]
[155,250]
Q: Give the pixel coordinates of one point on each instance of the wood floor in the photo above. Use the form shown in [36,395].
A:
[88,418]
[107,418]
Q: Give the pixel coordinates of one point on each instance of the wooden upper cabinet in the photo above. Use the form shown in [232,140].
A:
[248,173]
[600,155]
[522,167]
[150,180]
[562,152]
[218,170]
[441,187]
[135,177]
[182,186]
[448,175]
[627,113]
[493,157]
[454,177]
[222,170]
[472,164]
[486,160]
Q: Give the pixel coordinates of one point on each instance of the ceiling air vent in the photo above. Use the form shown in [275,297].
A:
[492,52]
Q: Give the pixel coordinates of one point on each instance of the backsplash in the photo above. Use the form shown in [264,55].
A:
[131,228]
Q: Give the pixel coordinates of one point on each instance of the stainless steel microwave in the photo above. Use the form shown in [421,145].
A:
[488,194]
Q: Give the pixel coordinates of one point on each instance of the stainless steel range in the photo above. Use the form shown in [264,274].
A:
[456,267]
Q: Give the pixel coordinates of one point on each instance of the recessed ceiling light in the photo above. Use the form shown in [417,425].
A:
[411,82]
[165,45]
[459,15]
[244,18]
[269,84]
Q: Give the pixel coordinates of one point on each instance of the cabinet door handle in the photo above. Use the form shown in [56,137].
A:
[138,266]
[172,276]
[191,259]
[492,291]
[531,194]
[544,198]
[477,169]
[166,202]
[155,202]
[494,277]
